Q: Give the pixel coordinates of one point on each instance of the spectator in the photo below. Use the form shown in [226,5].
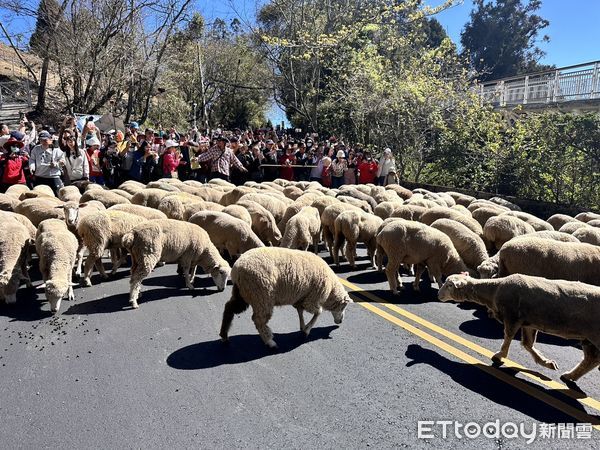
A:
[350,172]
[271,157]
[221,159]
[171,159]
[13,164]
[338,167]
[326,174]
[386,165]
[367,169]
[301,173]
[316,159]
[76,165]
[4,134]
[95,160]
[44,162]
[256,173]
[286,172]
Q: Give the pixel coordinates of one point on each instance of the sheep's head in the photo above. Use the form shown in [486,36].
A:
[340,308]
[55,291]
[451,289]
[220,275]
[71,210]
[488,269]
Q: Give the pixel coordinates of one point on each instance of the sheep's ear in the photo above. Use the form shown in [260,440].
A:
[59,206]
[83,205]
[460,283]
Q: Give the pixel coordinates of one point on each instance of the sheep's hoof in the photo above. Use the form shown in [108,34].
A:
[566,377]
[272,345]
[134,305]
[550,365]
[224,338]
[104,276]
[86,282]
[498,357]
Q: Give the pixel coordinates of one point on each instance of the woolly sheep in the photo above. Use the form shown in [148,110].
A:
[303,229]
[571,227]
[46,190]
[238,212]
[469,246]
[193,208]
[14,243]
[503,202]
[589,235]
[501,229]
[481,215]
[122,193]
[558,220]
[489,267]
[8,202]
[537,223]
[274,205]
[463,210]
[355,193]
[385,209]
[587,216]
[107,198]
[361,204]
[88,186]
[234,195]
[292,192]
[402,192]
[171,241]
[352,227]
[263,222]
[16,190]
[131,186]
[551,259]
[149,197]
[567,309]
[38,209]
[101,231]
[435,197]
[8,215]
[440,212]
[421,202]
[227,232]
[290,212]
[461,199]
[220,182]
[138,210]
[174,206]
[328,221]
[36,194]
[323,202]
[481,203]
[69,194]
[57,249]
[162,186]
[408,242]
[387,196]
[267,277]
[594,223]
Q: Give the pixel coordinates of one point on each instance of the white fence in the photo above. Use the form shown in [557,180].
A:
[573,83]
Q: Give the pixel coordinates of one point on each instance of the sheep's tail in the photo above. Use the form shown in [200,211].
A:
[127,241]
[235,305]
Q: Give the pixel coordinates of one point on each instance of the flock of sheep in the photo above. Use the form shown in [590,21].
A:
[531,274]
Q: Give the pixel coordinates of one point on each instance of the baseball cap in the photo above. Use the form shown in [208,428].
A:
[45,135]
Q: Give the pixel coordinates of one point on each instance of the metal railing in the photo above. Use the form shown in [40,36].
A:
[572,83]
[15,92]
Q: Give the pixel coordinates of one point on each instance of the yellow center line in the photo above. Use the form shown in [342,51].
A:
[483,351]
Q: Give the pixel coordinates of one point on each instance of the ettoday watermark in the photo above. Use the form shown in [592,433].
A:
[444,429]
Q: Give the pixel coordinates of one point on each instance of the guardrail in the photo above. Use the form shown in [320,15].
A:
[565,84]
[15,92]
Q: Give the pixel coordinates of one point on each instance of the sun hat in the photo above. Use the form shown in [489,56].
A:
[134,125]
[171,143]
[387,151]
[92,141]
[340,154]
[12,142]
[17,135]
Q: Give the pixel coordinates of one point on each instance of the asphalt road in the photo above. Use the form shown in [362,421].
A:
[101,375]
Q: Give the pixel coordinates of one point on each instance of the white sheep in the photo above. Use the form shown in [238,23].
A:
[290,212]
[39,209]
[469,246]
[551,259]
[402,192]
[132,186]
[408,242]
[174,205]
[537,223]
[238,212]
[149,197]
[107,198]
[500,229]
[16,190]
[138,210]
[386,209]
[227,232]
[482,214]
[267,277]
[263,223]
[302,230]
[571,227]
[171,241]
[461,199]
[69,194]
[587,216]
[442,212]
[567,309]
[8,202]
[43,189]
[351,227]
[274,205]
[57,249]
[482,203]
[558,220]
[409,212]
[503,202]
[589,235]
[14,243]
[328,217]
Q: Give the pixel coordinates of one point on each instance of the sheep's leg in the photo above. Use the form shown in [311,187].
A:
[337,243]
[316,244]
[379,254]
[328,238]
[311,324]
[260,321]
[140,271]
[25,272]
[120,260]
[187,275]
[100,268]
[301,317]
[391,272]
[591,359]
[419,269]
[350,251]
[90,261]
[528,337]
[371,245]
[510,329]
[70,294]
[79,260]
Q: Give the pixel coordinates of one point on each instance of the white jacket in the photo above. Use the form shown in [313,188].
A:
[77,167]
[386,166]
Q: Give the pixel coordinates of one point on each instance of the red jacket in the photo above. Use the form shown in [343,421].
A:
[367,171]
[287,173]
[13,169]
[170,162]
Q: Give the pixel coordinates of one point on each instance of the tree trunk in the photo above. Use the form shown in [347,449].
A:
[41,98]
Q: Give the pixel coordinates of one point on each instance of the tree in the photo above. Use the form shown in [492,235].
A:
[501,38]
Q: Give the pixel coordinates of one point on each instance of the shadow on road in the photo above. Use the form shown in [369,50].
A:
[476,380]
[28,306]
[407,296]
[240,349]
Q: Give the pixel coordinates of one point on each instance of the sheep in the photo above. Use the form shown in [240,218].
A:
[594,223]
[352,227]
[138,210]
[461,199]
[408,242]
[469,246]
[162,186]
[421,202]
[16,190]
[171,241]
[8,202]
[587,216]
[571,227]
[355,193]
[290,212]
[440,200]
[9,215]
[14,243]
[193,208]
[122,193]
[463,210]
[409,212]
[227,232]
[432,214]
[361,204]
[292,192]
[500,229]
[208,193]
[38,209]
[387,196]
[567,309]
[489,267]
[482,214]
[104,230]
[88,186]
[234,195]
[308,198]
[267,277]
[263,223]
[107,198]
[132,186]
[69,194]
[238,212]
[220,182]
[45,190]
[323,202]
[402,192]
[328,221]
[558,220]
[385,209]
[303,229]
[148,197]
[503,202]
[537,223]
[589,235]
[57,249]
[551,259]
[173,206]
[35,194]
[481,203]
[274,205]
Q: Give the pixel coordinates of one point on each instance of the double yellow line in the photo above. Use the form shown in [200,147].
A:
[537,393]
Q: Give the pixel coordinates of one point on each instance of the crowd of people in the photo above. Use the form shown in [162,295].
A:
[43,155]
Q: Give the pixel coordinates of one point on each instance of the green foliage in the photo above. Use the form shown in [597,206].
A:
[500,38]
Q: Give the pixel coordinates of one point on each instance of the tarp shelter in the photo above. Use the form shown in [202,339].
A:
[109,122]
